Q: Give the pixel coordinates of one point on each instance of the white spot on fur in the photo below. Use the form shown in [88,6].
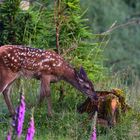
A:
[52,59]
[45,60]
[9,54]
[15,60]
[59,64]
[22,53]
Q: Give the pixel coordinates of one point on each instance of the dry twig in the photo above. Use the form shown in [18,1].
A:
[114,26]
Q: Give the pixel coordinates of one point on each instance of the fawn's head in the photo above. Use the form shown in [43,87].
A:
[85,85]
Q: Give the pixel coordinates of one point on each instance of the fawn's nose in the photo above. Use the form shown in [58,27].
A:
[95,97]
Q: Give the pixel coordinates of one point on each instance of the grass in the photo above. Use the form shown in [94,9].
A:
[66,123]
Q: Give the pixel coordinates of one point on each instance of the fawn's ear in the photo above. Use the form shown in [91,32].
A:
[82,72]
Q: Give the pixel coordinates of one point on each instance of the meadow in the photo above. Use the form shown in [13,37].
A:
[75,29]
[66,123]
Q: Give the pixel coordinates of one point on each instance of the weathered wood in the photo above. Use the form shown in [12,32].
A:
[111,104]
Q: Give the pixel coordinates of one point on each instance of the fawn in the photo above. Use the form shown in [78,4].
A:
[44,65]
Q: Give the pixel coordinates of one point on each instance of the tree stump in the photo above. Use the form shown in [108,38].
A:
[110,106]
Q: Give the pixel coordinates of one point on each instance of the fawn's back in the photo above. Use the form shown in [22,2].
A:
[30,61]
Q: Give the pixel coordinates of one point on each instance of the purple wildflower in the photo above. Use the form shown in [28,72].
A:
[20,116]
[9,134]
[31,130]
[93,136]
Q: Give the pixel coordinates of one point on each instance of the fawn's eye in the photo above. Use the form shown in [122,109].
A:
[86,86]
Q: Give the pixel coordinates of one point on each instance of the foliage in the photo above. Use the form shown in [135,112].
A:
[77,42]
[78,45]
[17,26]
[67,124]
[37,27]
[123,51]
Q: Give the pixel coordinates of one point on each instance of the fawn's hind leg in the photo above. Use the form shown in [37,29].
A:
[7,77]
[6,94]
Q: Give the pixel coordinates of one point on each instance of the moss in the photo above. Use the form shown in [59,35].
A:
[111,105]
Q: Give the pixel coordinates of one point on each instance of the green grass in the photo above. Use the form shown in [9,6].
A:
[66,123]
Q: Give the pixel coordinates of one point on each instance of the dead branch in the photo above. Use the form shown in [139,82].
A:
[114,26]
[57,23]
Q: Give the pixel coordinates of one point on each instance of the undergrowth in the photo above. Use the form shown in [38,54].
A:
[66,123]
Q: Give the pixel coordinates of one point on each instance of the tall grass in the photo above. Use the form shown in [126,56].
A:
[66,123]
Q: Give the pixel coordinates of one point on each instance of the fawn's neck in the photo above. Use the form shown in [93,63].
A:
[70,77]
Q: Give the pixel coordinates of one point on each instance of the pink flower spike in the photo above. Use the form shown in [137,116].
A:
[31,130]
[93,136]
[9,135]
[20,116]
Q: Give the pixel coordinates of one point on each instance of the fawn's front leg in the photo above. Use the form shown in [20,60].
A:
[45,92]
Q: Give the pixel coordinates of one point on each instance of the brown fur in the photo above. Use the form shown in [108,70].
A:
[44,65]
